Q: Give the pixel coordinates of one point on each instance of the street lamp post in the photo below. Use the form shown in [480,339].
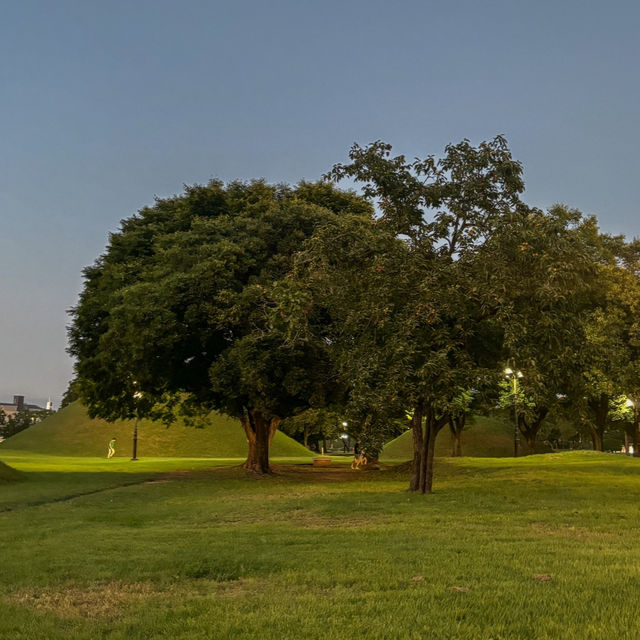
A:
[345,438]
[137,395]
[514,376]
[135,439]
[633,405]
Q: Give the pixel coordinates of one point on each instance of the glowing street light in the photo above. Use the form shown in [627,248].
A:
[514,376]
[633,405]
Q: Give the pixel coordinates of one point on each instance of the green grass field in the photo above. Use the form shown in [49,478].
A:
[541,547]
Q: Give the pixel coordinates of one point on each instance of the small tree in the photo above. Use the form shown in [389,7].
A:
[314,424]
[460,410]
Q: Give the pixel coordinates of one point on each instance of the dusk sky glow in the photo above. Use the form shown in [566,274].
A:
[105,105]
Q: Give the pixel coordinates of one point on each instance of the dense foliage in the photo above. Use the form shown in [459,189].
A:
[180,308]
[273,303]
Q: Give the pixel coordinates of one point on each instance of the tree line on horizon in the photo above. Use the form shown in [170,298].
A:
[407,299]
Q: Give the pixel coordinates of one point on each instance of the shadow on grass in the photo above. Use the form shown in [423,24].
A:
[40,488]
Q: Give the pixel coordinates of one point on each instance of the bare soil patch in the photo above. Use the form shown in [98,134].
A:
[107,600]
[97,601]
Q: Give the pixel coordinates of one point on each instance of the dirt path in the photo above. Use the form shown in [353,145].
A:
[294,472]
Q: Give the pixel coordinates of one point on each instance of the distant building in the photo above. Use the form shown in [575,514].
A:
[18,404]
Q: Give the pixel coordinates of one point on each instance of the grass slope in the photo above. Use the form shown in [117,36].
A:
[7,474]
[484,437]
[539,548]
[71,432]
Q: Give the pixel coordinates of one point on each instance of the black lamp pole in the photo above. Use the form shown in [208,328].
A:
[135,439]
[136,396]
[513,375]
[515,416]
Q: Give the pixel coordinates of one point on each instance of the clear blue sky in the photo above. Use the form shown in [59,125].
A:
[106,104]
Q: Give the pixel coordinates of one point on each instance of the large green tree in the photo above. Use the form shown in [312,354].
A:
[346,291]
[181,306]
[539,271]
[405,323]
[609,359]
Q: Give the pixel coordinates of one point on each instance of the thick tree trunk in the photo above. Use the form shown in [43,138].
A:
[260,432]
[530,430]
[423,479]
[531,442]
[456,426]
[424,457]
[600,408]
[636,439]
[457,444]
[306,438]
[428,475]
[596,438]
[416,426]
[434,427]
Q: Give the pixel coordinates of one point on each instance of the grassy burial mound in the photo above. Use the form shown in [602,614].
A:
[7,474]
[71,432]
[484,437]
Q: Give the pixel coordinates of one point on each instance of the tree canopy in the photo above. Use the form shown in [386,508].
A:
[266,301]
[181,306]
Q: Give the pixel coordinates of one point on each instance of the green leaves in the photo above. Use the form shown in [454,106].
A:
[183,302]
[254,297]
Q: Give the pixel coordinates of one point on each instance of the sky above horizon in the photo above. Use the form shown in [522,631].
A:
[106,105]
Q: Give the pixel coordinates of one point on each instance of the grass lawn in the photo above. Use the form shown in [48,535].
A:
[539,547]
